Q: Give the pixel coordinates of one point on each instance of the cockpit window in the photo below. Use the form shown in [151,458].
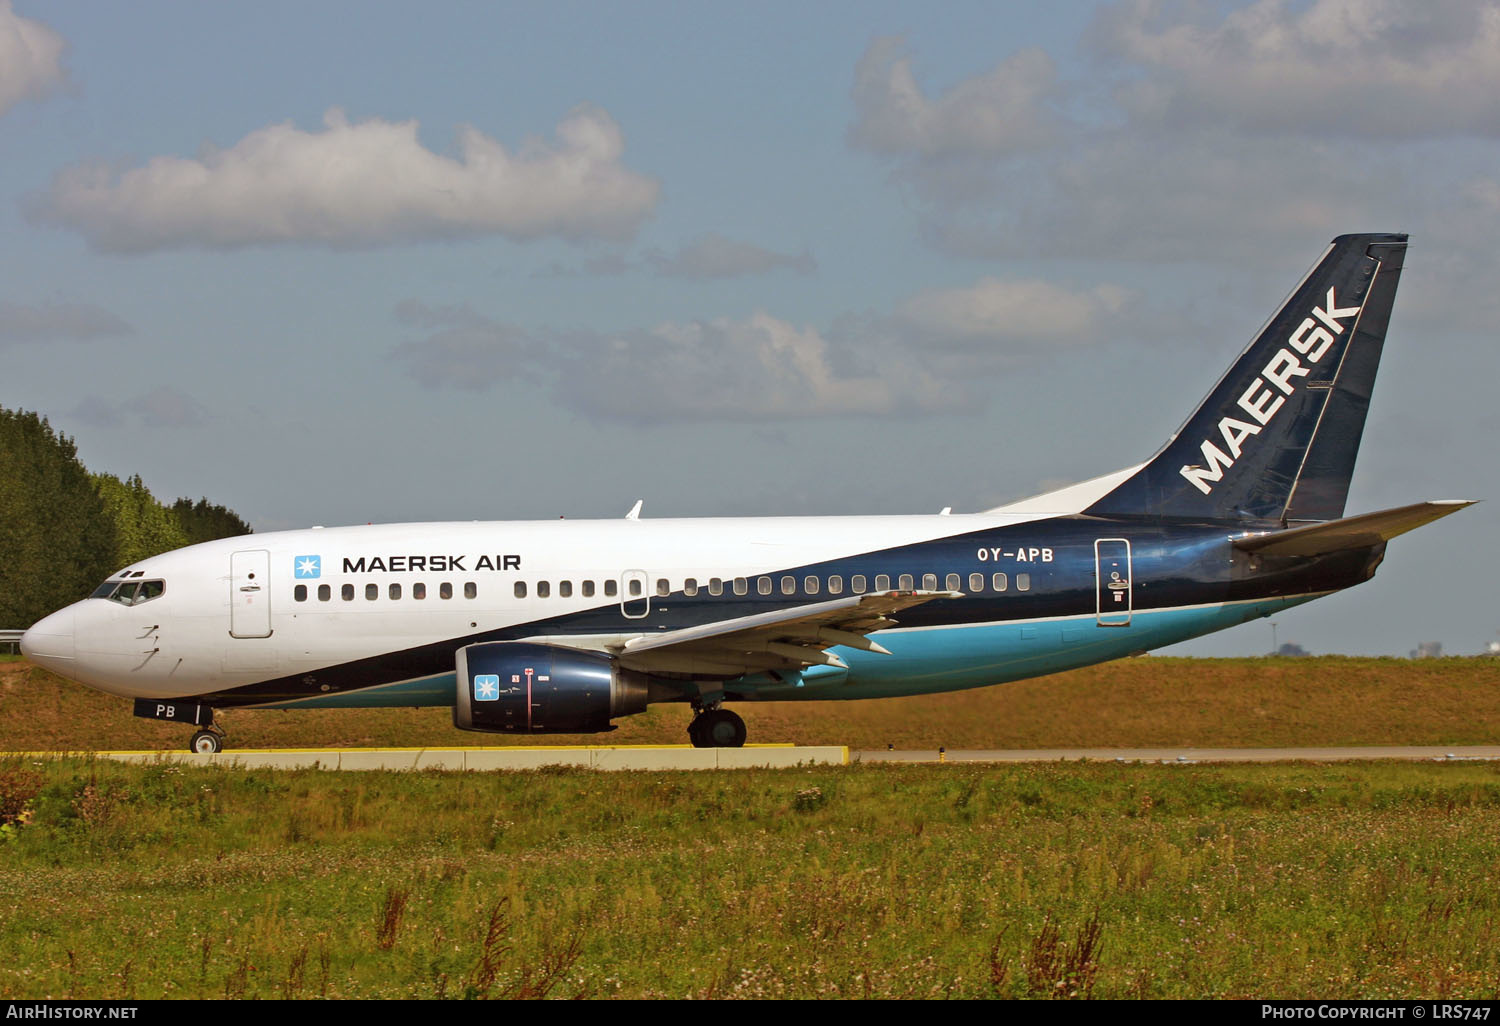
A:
[130,593]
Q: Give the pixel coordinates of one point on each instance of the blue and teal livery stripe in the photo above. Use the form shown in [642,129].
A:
[922,660]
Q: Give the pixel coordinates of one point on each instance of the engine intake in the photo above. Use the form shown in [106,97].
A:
[515,687]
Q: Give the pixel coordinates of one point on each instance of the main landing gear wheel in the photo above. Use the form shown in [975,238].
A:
[717,728]
[206,742]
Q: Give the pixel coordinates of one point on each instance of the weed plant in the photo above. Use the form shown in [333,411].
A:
[882,881]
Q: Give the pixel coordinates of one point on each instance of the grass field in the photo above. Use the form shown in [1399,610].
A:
[1103,880]
[1151,701]
[1372,880]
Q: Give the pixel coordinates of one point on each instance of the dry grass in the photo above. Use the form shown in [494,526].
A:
[1330,700]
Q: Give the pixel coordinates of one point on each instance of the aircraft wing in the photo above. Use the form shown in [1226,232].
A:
[1359,532]
[779,640]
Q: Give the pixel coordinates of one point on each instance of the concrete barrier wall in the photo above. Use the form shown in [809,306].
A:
[665,757]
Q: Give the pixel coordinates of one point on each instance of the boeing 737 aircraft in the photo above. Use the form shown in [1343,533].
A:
[562,626]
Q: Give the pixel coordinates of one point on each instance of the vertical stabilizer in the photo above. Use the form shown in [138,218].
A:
[1277,437]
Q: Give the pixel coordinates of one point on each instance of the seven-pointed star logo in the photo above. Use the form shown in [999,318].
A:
[309,566]
[486,687]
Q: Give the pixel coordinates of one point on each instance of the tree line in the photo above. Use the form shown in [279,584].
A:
[64,530]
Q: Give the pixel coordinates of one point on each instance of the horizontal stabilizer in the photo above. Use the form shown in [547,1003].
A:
[1359,532]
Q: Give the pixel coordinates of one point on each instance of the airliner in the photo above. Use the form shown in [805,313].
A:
[563,626]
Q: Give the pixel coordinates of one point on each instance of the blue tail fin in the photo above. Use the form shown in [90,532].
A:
[1277,437]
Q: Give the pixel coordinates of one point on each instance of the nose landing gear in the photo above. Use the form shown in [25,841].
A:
[717,728]
[209,738]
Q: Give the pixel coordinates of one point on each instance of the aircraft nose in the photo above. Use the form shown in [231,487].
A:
[50,640]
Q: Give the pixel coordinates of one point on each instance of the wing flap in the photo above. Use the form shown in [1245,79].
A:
[788,638]
[1358,532]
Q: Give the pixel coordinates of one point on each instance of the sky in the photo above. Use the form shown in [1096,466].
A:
[338,263]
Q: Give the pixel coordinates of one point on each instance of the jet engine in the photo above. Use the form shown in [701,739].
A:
[515,687]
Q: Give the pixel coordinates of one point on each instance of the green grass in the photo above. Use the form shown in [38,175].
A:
[1331,700]
[1374,880]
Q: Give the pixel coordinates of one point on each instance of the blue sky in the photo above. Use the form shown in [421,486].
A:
[334,263]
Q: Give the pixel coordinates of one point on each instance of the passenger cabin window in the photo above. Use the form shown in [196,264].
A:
[905,583]
[348,592]
[324,593]
[882,582]
[445,590]
[789,585]
[543,589]
[810,585]
[520,589]
[976,582]
[588,589]
[763,585]
[835,585]
[419,591]
[690,586]
[999,583]
[395,591]
[716,585]
[611,588]
[741,585]
[299,593]
[929,582]
[955,582]
[635,588]
[470,589]
[1023,582]
[372,592]
[564,589]
[663,587]
[857,584]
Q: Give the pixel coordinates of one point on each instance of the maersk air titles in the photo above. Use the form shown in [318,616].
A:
[1312,341]
[563,626]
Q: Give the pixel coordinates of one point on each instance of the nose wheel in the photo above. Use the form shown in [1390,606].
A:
[717,728]
[207,742]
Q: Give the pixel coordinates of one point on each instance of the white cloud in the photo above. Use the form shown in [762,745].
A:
[30,58]
[357,184]
[1006,110]
[1013,312]
[758,368]
[56,322]
[714,256]
[1237,137]
[922,360]
[753,369]
[1122,195]
[162,407]
[466,351]
[1357,68]
[708,256]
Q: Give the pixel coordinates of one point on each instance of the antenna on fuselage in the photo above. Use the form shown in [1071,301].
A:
[635,511]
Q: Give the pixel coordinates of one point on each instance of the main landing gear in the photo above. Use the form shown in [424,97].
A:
[717,728]
[207,741]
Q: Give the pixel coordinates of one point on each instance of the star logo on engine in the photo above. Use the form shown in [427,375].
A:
[486,687]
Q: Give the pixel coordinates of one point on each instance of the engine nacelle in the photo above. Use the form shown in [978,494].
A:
[515,687]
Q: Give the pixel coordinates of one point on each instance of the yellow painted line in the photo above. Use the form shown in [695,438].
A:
[338,751]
